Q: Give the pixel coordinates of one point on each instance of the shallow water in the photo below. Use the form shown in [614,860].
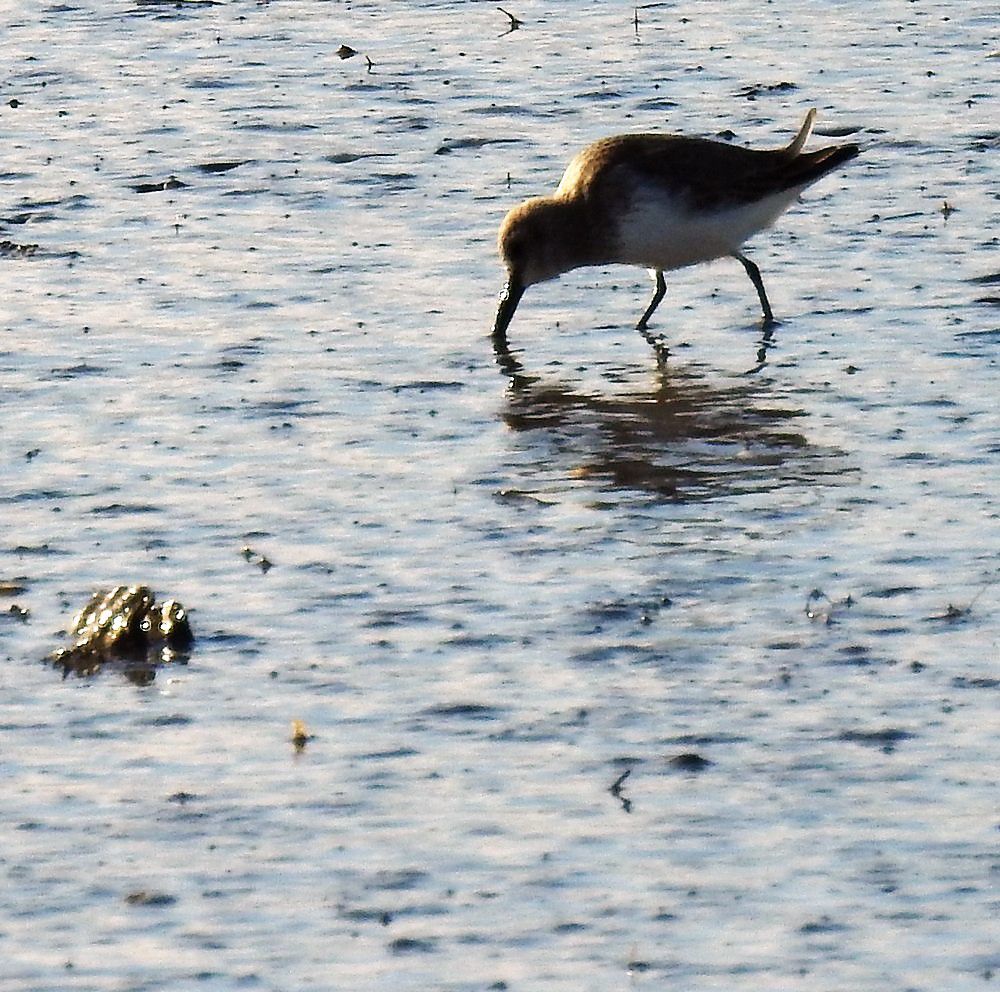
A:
[490,597]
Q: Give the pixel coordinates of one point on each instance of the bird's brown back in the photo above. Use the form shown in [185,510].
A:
[707,174]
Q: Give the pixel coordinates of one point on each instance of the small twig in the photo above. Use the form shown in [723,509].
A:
[616,790]
[515,23]
[957,612]
[975,599]
[820,607]
[616,786]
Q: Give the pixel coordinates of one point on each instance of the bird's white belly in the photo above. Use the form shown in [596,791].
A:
[663,233]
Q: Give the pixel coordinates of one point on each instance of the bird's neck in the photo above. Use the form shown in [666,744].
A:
[571,238]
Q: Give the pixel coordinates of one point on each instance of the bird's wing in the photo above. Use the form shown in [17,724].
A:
[705,174]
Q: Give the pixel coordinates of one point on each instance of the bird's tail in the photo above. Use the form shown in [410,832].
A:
[799,141]
[810,166]
[799,168]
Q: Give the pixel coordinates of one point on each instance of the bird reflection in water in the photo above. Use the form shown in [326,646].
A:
[676,435]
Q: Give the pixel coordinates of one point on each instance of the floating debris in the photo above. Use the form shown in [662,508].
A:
[144,898]
[450,145]
[346,52]
[953,613]
[820,607]
[412,945]
[11,249]
[885,740]
[171,182]
[517,497]
[177,4]
[515,22]
[264,564]
[689,762]
[126,626]
[300,735]
[636,965]
[616,790]
[214,167]
[759,89]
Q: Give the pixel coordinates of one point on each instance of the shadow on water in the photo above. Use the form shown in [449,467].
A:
[675,434]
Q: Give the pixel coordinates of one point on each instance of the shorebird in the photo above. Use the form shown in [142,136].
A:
[660,201]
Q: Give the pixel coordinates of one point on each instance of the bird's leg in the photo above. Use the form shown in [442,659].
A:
[658,294]
[754,273]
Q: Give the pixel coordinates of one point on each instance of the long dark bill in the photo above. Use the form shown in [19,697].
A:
[510,296]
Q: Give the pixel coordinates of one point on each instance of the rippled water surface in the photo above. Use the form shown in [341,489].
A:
[244,358]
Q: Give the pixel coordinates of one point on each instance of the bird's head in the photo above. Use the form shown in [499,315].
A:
[535,243]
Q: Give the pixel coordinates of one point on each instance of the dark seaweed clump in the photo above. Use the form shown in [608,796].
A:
[127,628]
